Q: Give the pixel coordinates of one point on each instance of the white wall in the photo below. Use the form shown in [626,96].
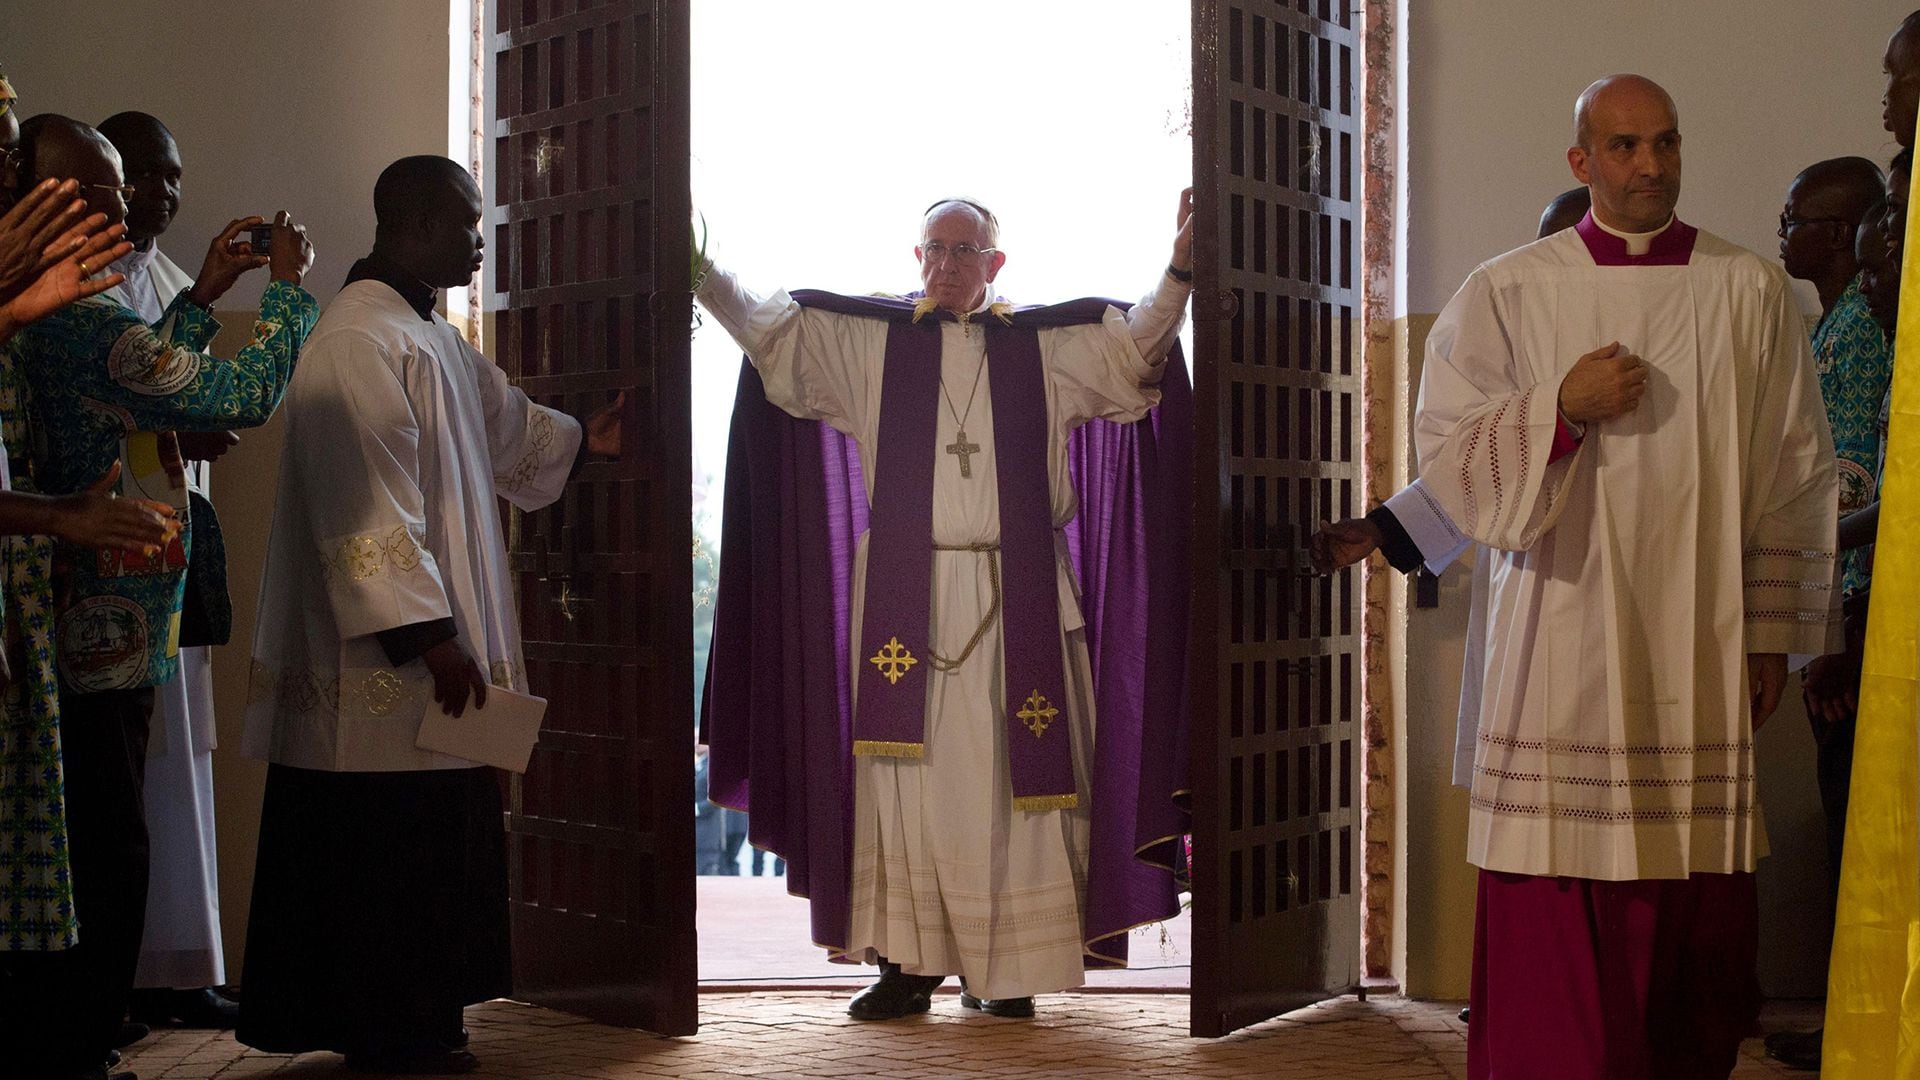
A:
[275,105]
[1764,87]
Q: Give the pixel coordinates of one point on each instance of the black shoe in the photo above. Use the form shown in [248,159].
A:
[1010,1008]
[458,1042]
[1464,1010]
[897,994]
[113,1058]
[416,1061]
[131,1032]
[1796,1049]
[206,1007]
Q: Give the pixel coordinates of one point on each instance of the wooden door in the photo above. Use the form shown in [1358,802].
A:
[1276,651]
[588,253]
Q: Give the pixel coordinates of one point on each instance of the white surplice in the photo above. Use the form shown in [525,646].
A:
[181,947]
[947,878]
[399,437]
[1630,579]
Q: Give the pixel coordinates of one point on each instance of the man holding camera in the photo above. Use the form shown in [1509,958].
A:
[100,377]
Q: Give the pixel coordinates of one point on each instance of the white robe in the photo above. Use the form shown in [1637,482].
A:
[1630,579]
[181,947]
[947,878]
[399,437]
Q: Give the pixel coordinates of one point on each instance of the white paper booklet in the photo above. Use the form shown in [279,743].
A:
[502,734]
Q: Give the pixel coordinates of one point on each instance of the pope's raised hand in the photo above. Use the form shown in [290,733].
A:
[1183,239]
[1342,544]
[1605,383]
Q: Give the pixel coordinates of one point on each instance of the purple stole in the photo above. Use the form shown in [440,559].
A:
[895,641]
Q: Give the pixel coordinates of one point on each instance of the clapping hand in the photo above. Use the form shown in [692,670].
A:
[70,277]
[37,233]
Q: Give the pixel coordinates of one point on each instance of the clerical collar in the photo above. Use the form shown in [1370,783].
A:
[136,262]
[1669,245]
[419,295]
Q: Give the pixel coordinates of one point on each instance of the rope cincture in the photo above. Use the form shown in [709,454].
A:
[941,663]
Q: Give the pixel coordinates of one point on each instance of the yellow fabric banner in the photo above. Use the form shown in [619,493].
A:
[1873,981]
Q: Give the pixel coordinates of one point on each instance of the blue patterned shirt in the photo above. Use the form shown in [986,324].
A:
[1855,365]
[93,375]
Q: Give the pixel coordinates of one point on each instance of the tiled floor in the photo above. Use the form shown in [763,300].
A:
[808,1034]
[752,934]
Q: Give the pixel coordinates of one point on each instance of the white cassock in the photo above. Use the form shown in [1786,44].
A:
[946,877]
[399,436]
[181,947]
[1629,580]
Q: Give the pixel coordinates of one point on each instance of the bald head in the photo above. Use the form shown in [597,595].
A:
[124,129]
[413,187]
[1627,152]
[427,213]
[1612,94]
[61,148]
[1564,212]
[1843,187]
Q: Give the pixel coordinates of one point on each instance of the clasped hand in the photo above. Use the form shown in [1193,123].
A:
[1605,383]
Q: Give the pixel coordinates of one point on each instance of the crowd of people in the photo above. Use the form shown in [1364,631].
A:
[1694,504]
[386,589]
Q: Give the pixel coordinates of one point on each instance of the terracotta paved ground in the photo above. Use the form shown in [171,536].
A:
[808,1034]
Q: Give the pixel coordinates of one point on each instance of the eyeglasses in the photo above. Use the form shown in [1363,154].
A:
[934,252]
[1788,221]
[125,191]
[7,104]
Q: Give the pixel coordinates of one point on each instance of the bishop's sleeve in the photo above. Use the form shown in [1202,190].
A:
[813,364]
[533,447]
[1483,431]
[361,479]
[1789,492]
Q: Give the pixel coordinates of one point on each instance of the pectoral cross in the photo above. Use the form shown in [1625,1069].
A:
[963,450]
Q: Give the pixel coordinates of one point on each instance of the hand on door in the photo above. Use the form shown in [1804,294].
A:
[1342,544]
[455,675]
[1183,240]
[603,428]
